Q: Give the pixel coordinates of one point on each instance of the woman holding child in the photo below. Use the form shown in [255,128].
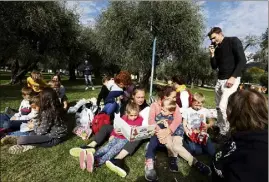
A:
[169,132]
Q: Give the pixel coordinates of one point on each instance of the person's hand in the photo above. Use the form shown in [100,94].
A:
[163,133]
[230,82]
[13,118]
[196,131]
[212,51]
[118,132]
[30,124]
[163,141]
[111,138]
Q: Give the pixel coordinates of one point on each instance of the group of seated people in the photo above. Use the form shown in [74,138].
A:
[181,127]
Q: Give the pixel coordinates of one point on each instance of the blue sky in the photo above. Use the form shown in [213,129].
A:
[240,18]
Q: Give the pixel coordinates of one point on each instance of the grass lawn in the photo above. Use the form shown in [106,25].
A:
[56,165]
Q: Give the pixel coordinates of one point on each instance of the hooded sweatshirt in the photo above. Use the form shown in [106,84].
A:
[244,158]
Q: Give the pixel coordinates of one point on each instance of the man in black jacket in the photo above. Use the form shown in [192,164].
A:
[226,55]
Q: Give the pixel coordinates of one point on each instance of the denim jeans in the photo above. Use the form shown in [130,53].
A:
[197,149]
[111,108]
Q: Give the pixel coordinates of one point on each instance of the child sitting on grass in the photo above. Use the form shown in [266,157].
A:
[13,122]
[34,102]
[194,122]
[51,128]
[36,82]
[115,144]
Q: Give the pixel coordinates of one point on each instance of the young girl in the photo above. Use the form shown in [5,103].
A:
[36,82]
[115,144]
[50,129]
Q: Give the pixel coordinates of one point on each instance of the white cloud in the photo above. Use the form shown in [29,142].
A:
[239,19]
[88,11]
[248,18]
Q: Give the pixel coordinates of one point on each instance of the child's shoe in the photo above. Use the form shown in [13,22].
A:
[90,162]
[203,168]
[173,164]
[117,165]
[9,140]
[82,159]
[75,152]
[17,149]
[150,173]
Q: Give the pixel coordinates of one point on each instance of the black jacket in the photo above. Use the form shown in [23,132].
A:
[229,58]
[102,94]
[243,159]
[87,69]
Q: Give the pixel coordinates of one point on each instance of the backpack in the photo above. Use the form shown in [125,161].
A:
[179,101]
[99,120]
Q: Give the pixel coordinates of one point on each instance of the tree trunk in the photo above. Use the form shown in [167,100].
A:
[72,74]
[144,79]
[203,82]
[22,71]
[14,70]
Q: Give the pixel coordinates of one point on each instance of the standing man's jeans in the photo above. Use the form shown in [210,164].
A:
[88,80]
[222,94]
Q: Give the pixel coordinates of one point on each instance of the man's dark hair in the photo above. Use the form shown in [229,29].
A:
[214,30]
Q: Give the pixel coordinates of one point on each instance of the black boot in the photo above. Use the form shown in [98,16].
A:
[173,164]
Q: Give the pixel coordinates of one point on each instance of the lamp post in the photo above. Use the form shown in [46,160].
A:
[152,66]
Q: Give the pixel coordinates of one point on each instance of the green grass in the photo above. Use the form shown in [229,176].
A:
[56,165]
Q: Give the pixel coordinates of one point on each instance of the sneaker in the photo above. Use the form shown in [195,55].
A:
[82,159]
[9,140]
[150,173]
[75,152]
[203,168]
[86,88]
[90,162]
[17,149]
[93,88]
[117,165]
[173,164]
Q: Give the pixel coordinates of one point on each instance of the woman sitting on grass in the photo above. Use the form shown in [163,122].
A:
[50,129]
[117,163]
[57,78]
[245,156]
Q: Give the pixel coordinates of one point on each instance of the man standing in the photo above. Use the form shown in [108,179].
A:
[87,71]
[226,55]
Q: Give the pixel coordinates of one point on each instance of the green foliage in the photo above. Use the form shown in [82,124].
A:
[124,36]
[264,79]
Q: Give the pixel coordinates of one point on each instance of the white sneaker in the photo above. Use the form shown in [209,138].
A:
[86,88]
[93,88]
